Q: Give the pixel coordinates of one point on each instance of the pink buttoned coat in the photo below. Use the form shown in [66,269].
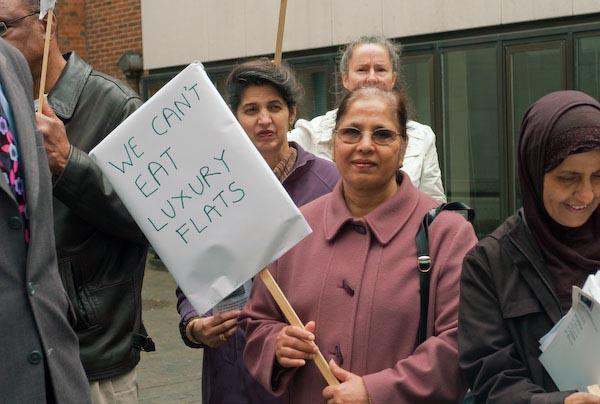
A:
[357,278]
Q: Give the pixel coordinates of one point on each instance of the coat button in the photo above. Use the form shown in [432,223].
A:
[34,357]
[30,288]
[14,223]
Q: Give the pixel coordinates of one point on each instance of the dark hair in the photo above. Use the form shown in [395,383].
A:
[261,72]
[397,99]
[393,50]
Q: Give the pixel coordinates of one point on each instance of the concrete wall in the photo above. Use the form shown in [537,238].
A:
[177,32]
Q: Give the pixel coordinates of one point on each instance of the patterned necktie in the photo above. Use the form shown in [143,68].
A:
[9,164]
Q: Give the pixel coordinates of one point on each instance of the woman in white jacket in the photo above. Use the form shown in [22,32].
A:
[375,61]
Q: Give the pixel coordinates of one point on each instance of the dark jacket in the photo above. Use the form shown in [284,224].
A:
[224,376]
[101,251]
[507,304]
[38,347]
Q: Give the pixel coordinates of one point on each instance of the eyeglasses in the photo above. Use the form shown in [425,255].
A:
[5,25]
[381,136]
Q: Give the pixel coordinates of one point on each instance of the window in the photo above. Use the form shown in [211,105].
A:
[533,71]
[317,76]
[471,144]
[587,65]
[315,84]
[149,85]
[473,88]
[417,72]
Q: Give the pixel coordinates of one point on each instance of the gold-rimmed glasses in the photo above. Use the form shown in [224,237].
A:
[381,136]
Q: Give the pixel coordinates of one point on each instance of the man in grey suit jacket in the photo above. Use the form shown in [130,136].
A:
[100,249]
[39,354]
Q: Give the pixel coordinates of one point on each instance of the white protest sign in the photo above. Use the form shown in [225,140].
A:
[199,190]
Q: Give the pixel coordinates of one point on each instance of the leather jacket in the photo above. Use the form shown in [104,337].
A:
[100,249]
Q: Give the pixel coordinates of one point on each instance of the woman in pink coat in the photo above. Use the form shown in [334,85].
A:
[355,282]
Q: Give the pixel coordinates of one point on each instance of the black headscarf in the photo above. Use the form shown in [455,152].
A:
[558,125]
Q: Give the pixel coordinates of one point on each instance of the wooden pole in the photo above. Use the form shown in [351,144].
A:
[265,275]
[280,29]
[45,59]
[293,319]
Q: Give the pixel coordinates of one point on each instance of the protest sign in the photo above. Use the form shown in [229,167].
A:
[199,190]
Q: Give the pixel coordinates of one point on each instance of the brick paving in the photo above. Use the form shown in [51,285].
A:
[172,374]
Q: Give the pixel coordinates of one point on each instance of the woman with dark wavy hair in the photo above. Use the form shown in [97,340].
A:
[263,96]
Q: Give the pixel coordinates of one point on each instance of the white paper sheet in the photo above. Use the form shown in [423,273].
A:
[235,301]
[571,351]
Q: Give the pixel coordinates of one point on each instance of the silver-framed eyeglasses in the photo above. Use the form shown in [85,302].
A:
[381,136]
[5,25]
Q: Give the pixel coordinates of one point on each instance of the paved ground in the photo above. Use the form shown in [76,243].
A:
[171,374]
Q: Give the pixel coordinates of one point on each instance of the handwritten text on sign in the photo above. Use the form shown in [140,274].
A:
[199,190]
[215,201]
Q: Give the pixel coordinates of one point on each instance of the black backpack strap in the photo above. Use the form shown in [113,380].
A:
[424,260]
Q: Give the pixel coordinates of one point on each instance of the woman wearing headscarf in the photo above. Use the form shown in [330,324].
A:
[516,283]
[263,97]
[354,281]
[375,61]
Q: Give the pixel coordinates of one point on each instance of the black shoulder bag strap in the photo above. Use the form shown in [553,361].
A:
[424,260]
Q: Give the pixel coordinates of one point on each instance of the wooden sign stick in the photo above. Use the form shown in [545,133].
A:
[293,319]
[265,275]
[280,29]
[45,59]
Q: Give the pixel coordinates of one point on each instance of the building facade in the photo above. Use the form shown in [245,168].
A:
[472,67]
[102,32]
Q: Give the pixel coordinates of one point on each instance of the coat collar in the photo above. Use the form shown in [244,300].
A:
[401,206]
[530,262]
[66,92]
[303,161]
